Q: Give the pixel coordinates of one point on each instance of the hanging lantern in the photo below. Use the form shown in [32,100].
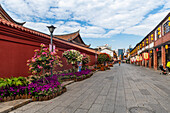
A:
[151,35]
[147,42]
[159,33]
[157,49]
[152,38]
[166,46]
[169,18]
[147,39]
[143,44]
[159,29]
[168,23]
[151,51]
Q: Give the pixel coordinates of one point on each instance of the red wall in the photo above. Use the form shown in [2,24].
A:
[17,46]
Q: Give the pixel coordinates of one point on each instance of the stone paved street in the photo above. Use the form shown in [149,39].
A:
[111,91]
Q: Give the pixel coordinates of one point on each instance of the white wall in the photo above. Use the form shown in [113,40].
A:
[107,51]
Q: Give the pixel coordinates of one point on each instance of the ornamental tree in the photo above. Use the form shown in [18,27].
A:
[43,60]
[103,57]
[85,59]
[72,56]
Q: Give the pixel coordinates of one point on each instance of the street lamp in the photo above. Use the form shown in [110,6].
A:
[51,29]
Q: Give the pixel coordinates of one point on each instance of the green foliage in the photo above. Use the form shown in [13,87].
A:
[13,81]
[103,57]
[72,56]
[43,60]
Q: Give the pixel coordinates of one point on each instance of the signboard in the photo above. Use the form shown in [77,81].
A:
[145,56]
[131,59]
[50,47]
[140,58]
[134,58]
[137,58]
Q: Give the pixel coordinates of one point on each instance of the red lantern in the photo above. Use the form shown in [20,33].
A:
[146,56]
[157,49]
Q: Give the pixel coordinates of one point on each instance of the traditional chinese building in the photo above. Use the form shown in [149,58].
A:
[17,45]
[74,38]
[155,46]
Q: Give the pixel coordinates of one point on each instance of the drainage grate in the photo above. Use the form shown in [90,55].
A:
[140,110]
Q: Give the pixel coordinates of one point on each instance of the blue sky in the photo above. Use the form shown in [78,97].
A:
[119,23]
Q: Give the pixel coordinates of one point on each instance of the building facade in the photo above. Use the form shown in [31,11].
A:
[156,44]
[17,45]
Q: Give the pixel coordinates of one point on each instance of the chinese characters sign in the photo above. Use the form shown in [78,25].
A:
[146,56]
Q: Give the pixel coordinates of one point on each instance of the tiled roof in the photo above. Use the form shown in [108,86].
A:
[19,27]
[68,37]
[24,29]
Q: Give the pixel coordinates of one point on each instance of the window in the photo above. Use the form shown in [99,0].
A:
[158,34]
[166,27]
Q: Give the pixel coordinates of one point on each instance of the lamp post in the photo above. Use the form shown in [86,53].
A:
[51,29]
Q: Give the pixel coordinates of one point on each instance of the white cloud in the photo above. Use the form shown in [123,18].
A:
[92,17]
[147,24]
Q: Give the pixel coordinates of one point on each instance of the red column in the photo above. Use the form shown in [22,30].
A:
[163,56]
[150,62]
[155,59]
[145,63]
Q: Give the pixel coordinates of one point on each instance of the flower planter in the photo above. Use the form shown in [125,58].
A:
[102,68]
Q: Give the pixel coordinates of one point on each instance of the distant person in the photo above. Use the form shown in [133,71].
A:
[119,62]
[168,65]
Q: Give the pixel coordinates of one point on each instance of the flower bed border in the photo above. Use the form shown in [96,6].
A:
[83,78]
[40,98]
[48,97]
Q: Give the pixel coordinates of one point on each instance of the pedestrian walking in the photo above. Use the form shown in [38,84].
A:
[168,65]
[119,62]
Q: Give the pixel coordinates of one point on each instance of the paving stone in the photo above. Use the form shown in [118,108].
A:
[166,90]
[112,91]
[144,92]
[81,111]
[96,108]
[100,99]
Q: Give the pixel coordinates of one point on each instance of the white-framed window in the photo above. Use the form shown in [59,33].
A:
[166,27]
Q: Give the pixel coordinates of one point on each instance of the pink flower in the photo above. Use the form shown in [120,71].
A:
[36,50]
[45,49]
[52,53]
[30,68]
[44,53]
[28,64]
[42,45]
[40,67]
[33,60]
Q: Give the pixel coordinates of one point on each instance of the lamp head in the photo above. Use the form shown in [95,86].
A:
[51,28]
